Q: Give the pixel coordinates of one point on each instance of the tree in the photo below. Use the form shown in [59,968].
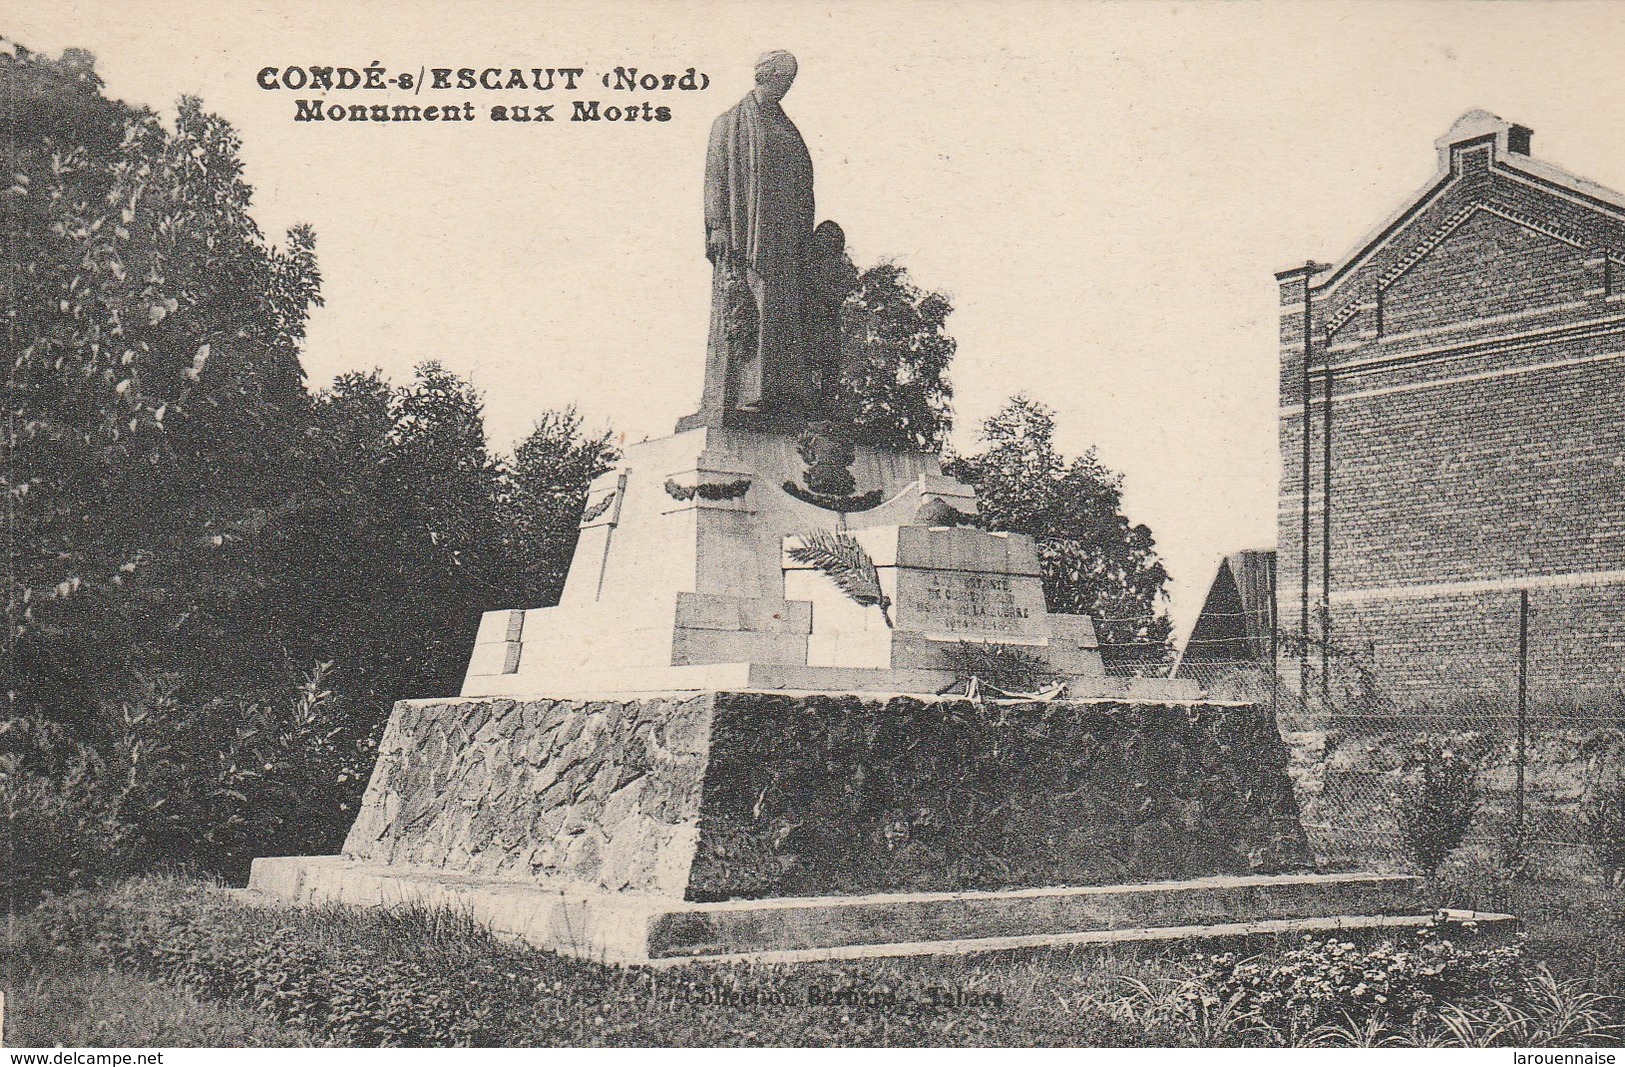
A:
[188,531]
[405,548]
[421,528]
[154,393]
[549,477]
[1095,562]
[895,351]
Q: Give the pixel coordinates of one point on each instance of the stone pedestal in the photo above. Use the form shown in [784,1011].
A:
[642,928]
[722,795]
[682,580]
[691,756]
[797,827]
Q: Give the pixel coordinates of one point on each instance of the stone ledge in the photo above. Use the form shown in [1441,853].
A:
[918,682]
[1490,926]
[642,928]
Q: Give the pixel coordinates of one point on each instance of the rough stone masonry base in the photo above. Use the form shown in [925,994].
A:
[802,826]
[719,796]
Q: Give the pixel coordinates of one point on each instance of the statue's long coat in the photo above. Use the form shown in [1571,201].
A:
[759,202]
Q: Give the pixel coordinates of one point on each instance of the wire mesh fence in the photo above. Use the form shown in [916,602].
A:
[1361,715]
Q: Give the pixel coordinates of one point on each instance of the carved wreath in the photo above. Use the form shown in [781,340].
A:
[598,508]
[708,490]
[843,504]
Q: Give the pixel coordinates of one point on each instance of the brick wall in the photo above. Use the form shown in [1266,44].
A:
[1476,347]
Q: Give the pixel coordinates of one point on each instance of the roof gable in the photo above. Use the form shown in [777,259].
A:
[1484,167]
[1443,282]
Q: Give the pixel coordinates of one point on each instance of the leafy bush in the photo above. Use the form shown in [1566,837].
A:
[208,786]
[1094,560]
[1603,817]
[1438,801]
[1326,982]
[60,828]
[221,783]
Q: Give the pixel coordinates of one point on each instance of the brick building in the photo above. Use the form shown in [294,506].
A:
[1472,451]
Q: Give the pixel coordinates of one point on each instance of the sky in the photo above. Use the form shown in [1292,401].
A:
[1103,189]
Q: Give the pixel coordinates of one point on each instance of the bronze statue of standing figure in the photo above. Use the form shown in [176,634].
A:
[774,344]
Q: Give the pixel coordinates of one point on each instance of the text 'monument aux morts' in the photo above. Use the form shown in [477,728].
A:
[376,78]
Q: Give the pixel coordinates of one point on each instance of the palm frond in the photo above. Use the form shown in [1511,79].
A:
[844,561]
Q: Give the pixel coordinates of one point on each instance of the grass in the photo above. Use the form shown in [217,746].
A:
[170,961]
[105,1007]
[487,991]
[1573,924]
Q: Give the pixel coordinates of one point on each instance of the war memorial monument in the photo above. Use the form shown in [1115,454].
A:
[731,737]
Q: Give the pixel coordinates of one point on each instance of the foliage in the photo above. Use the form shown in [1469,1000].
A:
[1541,1012]
[1326,981]
[180,507]
[1095,562]
[420,528]
[548,478]
[414,977]
[154,396]
[1012,668]
[66,1005]
[1439,799]
[842,558]
[60,815]
[368,996]
[406,546]
[895,352]
[1603,820]
[213,784]
[1178,1002]
[218,784]
[187,527]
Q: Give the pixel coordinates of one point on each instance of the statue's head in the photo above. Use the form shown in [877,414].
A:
[775,71]
[828,239]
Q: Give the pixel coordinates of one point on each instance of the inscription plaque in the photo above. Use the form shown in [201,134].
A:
[972,605]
